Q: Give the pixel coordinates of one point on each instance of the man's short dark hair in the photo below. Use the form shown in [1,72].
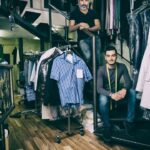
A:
[110,48]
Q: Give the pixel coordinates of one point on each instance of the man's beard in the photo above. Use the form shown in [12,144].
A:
[84,7]
[111,62]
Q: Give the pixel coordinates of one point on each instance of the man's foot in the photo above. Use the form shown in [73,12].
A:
[129,127]
[107,135]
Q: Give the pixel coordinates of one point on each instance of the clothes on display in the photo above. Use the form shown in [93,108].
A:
[29,66]
[139,22]
[54,69]
[143,84]
[16,56]
[70,78]
[112,22]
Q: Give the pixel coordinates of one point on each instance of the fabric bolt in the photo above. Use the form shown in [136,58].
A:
[71,78]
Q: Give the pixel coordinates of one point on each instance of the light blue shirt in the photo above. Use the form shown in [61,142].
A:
[71,78]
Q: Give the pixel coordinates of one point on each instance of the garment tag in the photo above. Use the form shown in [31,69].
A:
[79,73]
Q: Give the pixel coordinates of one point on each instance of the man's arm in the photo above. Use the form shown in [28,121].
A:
[72,26]
[96,27]
[127,82]
[127,79]
[100,87]
[80,26]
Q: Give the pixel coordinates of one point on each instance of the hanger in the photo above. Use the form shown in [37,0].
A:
[68,50]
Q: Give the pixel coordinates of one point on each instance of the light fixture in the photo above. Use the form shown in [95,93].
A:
[36,38]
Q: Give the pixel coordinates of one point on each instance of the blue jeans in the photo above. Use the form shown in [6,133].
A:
[104,107]
[86,48]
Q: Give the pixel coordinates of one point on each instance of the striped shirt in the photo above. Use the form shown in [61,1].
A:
[71,78]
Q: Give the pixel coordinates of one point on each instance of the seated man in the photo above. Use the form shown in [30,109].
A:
[108,82]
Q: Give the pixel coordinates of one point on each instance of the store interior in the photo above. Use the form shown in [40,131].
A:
[32,31]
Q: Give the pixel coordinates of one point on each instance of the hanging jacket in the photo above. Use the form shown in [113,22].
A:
[143,84]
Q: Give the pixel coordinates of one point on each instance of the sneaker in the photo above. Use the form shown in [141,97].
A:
[107,135]
[129,127]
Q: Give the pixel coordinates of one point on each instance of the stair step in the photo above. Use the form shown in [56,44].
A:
[31,16]
[22,4]
[44,27]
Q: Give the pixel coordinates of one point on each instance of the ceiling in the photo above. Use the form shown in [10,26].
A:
[17,31]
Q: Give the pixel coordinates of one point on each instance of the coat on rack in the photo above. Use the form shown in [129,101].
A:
[143,84]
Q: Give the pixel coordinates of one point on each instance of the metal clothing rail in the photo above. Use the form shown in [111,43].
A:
[90,34]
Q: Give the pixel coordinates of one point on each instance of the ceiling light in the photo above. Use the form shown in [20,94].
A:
[36,38]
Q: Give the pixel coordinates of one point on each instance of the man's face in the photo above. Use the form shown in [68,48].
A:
[111,57]
[83,4]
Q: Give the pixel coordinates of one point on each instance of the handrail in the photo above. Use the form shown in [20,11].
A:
[128,61]
[59,11]
[90,34]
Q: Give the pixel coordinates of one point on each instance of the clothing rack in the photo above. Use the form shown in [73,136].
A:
[61,125]
[31,57]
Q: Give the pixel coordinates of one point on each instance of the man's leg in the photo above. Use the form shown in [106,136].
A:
[129,123]
[131,105]
[85,48]
[104,102]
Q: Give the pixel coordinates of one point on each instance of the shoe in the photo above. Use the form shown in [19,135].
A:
[107,135]
[129,127]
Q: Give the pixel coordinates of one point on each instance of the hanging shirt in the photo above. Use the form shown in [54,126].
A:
[71,78]
[16,56]
[46,55]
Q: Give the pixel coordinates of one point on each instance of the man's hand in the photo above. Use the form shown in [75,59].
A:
[116,96]
[122,93]
[83,26]
[119,95]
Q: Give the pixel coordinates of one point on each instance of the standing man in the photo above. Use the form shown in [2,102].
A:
[84,19]
[109,88]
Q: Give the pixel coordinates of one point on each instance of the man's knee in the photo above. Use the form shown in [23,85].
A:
[132,95]
[85,50]
[103,100]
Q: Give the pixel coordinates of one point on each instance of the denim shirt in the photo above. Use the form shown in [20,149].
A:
[70,78]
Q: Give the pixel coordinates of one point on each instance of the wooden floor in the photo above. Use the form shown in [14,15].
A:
[34,134]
